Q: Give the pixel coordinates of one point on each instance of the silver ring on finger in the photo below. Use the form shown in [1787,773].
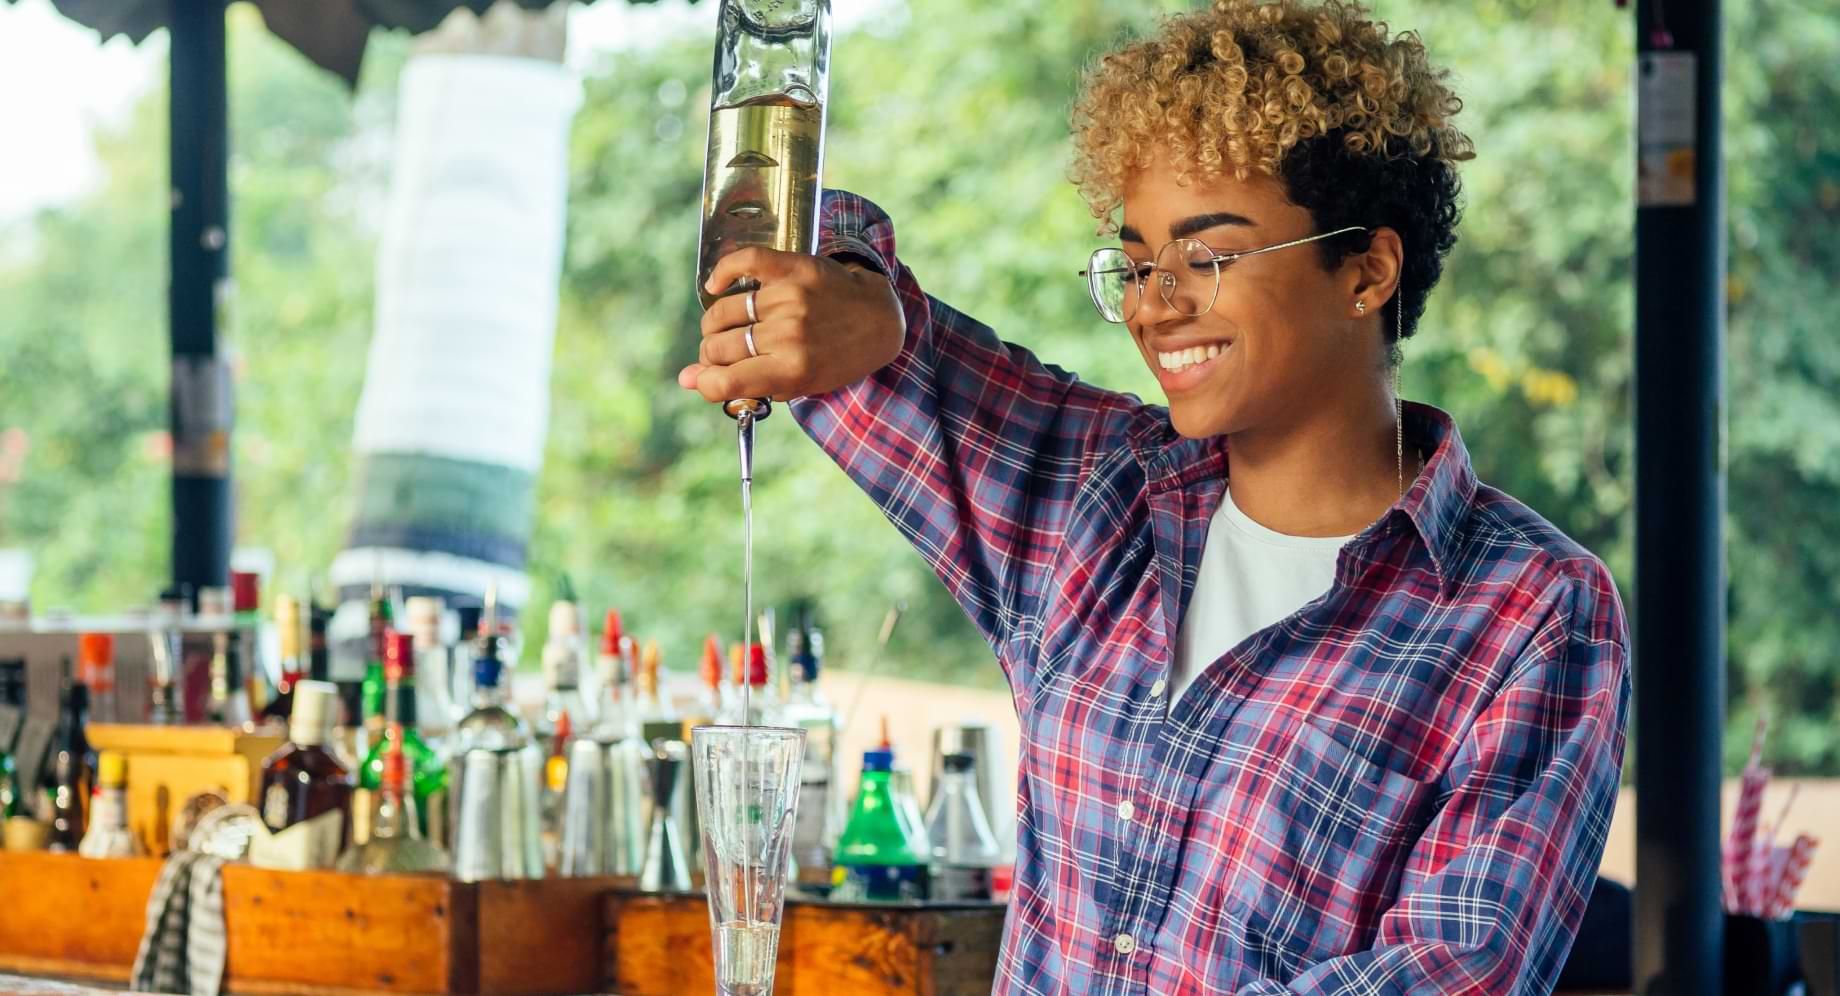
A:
[753,315]
[748,336]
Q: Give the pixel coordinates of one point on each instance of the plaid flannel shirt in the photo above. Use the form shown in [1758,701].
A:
[1404,786]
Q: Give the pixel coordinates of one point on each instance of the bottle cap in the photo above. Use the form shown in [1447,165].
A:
[611,633]
[712,661]
[213,601]
[757,665]
[245,591]
[96,661]
[424,619]
[650,658]
[112,769]
[95,649]
[469,619]
[487,670]
[564,619]
[958,761]
[398,656]
[316,703]
[878,760]
[737,663]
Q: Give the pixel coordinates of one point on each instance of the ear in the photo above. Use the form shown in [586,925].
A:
[1377,271]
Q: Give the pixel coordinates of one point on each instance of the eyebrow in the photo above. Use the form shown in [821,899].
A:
[1189,226]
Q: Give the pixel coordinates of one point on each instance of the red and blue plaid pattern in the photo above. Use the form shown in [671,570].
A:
[1403,787]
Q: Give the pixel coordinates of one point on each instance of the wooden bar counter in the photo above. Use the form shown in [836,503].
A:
[329,933]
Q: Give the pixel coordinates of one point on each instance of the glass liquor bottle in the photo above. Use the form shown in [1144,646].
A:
[96,669]
[304,780]
[491,723]
[108,835]
[616,720]
[766,130]
[396,845]
[710,704]
[288,633]
[562,651]
[652,711]
[246,643]
[428,778]
[14,799]
[819,815]
[73,768]
[760,705]
[373,696]
[435,711]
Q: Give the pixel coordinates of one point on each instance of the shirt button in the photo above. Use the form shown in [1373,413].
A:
[1126,810]
[1157,689]
[1124,944]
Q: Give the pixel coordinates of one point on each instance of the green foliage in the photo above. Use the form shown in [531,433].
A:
[952,115]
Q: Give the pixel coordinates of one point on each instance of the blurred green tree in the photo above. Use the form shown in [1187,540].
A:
[952,115]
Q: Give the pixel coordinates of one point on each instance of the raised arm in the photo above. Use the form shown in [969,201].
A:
[972,447]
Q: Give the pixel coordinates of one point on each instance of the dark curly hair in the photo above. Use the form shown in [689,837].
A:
[1418,198]
[1352,120]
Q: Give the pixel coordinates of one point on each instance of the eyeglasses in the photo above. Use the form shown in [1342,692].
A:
[1186,271]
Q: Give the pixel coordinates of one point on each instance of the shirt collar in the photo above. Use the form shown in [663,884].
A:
[1434,505]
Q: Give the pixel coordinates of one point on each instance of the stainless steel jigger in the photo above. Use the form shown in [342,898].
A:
[667,868]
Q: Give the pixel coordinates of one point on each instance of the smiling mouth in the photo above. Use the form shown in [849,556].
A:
[1182,359]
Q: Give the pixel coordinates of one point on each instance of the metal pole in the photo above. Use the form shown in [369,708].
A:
[200,417]
[1680,497]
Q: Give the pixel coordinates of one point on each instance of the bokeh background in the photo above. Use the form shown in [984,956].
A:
[952,114]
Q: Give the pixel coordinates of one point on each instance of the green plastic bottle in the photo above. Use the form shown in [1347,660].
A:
[877,856]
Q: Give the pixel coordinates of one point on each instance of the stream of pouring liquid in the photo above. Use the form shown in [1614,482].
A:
[744,428]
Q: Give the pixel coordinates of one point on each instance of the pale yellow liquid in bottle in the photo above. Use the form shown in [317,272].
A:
[760,181]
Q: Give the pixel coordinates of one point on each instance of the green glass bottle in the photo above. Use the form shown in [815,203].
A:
[374,690]
[428,781]
[877,856]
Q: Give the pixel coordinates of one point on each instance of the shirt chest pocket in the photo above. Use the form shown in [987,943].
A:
[1325,843]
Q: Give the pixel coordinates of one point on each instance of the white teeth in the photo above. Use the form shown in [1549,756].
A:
[1182,359]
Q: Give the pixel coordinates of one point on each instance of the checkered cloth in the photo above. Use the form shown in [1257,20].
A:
[182,950]
[1402,787]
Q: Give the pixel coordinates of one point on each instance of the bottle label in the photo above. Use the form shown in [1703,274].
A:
[881,883]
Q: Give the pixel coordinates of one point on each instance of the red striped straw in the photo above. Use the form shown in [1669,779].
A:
[1772,884]
[1795,869]
[1738,885]
[1739,844]
[1757,880]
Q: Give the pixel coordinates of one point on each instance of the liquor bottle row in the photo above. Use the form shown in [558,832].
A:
[410,781]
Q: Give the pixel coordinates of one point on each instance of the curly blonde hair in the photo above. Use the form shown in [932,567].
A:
[1232,90]
[1353,121]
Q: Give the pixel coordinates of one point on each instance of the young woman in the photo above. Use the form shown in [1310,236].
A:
[1305,706]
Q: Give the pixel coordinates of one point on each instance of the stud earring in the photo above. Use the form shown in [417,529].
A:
[1360,307]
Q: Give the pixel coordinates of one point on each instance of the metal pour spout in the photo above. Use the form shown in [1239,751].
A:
[744,434]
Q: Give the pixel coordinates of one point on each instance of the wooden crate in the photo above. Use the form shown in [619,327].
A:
[659,945]
[169,764]
[315,932]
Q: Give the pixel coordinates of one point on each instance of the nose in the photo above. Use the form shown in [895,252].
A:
[1153,305]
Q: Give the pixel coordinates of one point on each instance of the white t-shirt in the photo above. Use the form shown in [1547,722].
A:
[1250,577]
